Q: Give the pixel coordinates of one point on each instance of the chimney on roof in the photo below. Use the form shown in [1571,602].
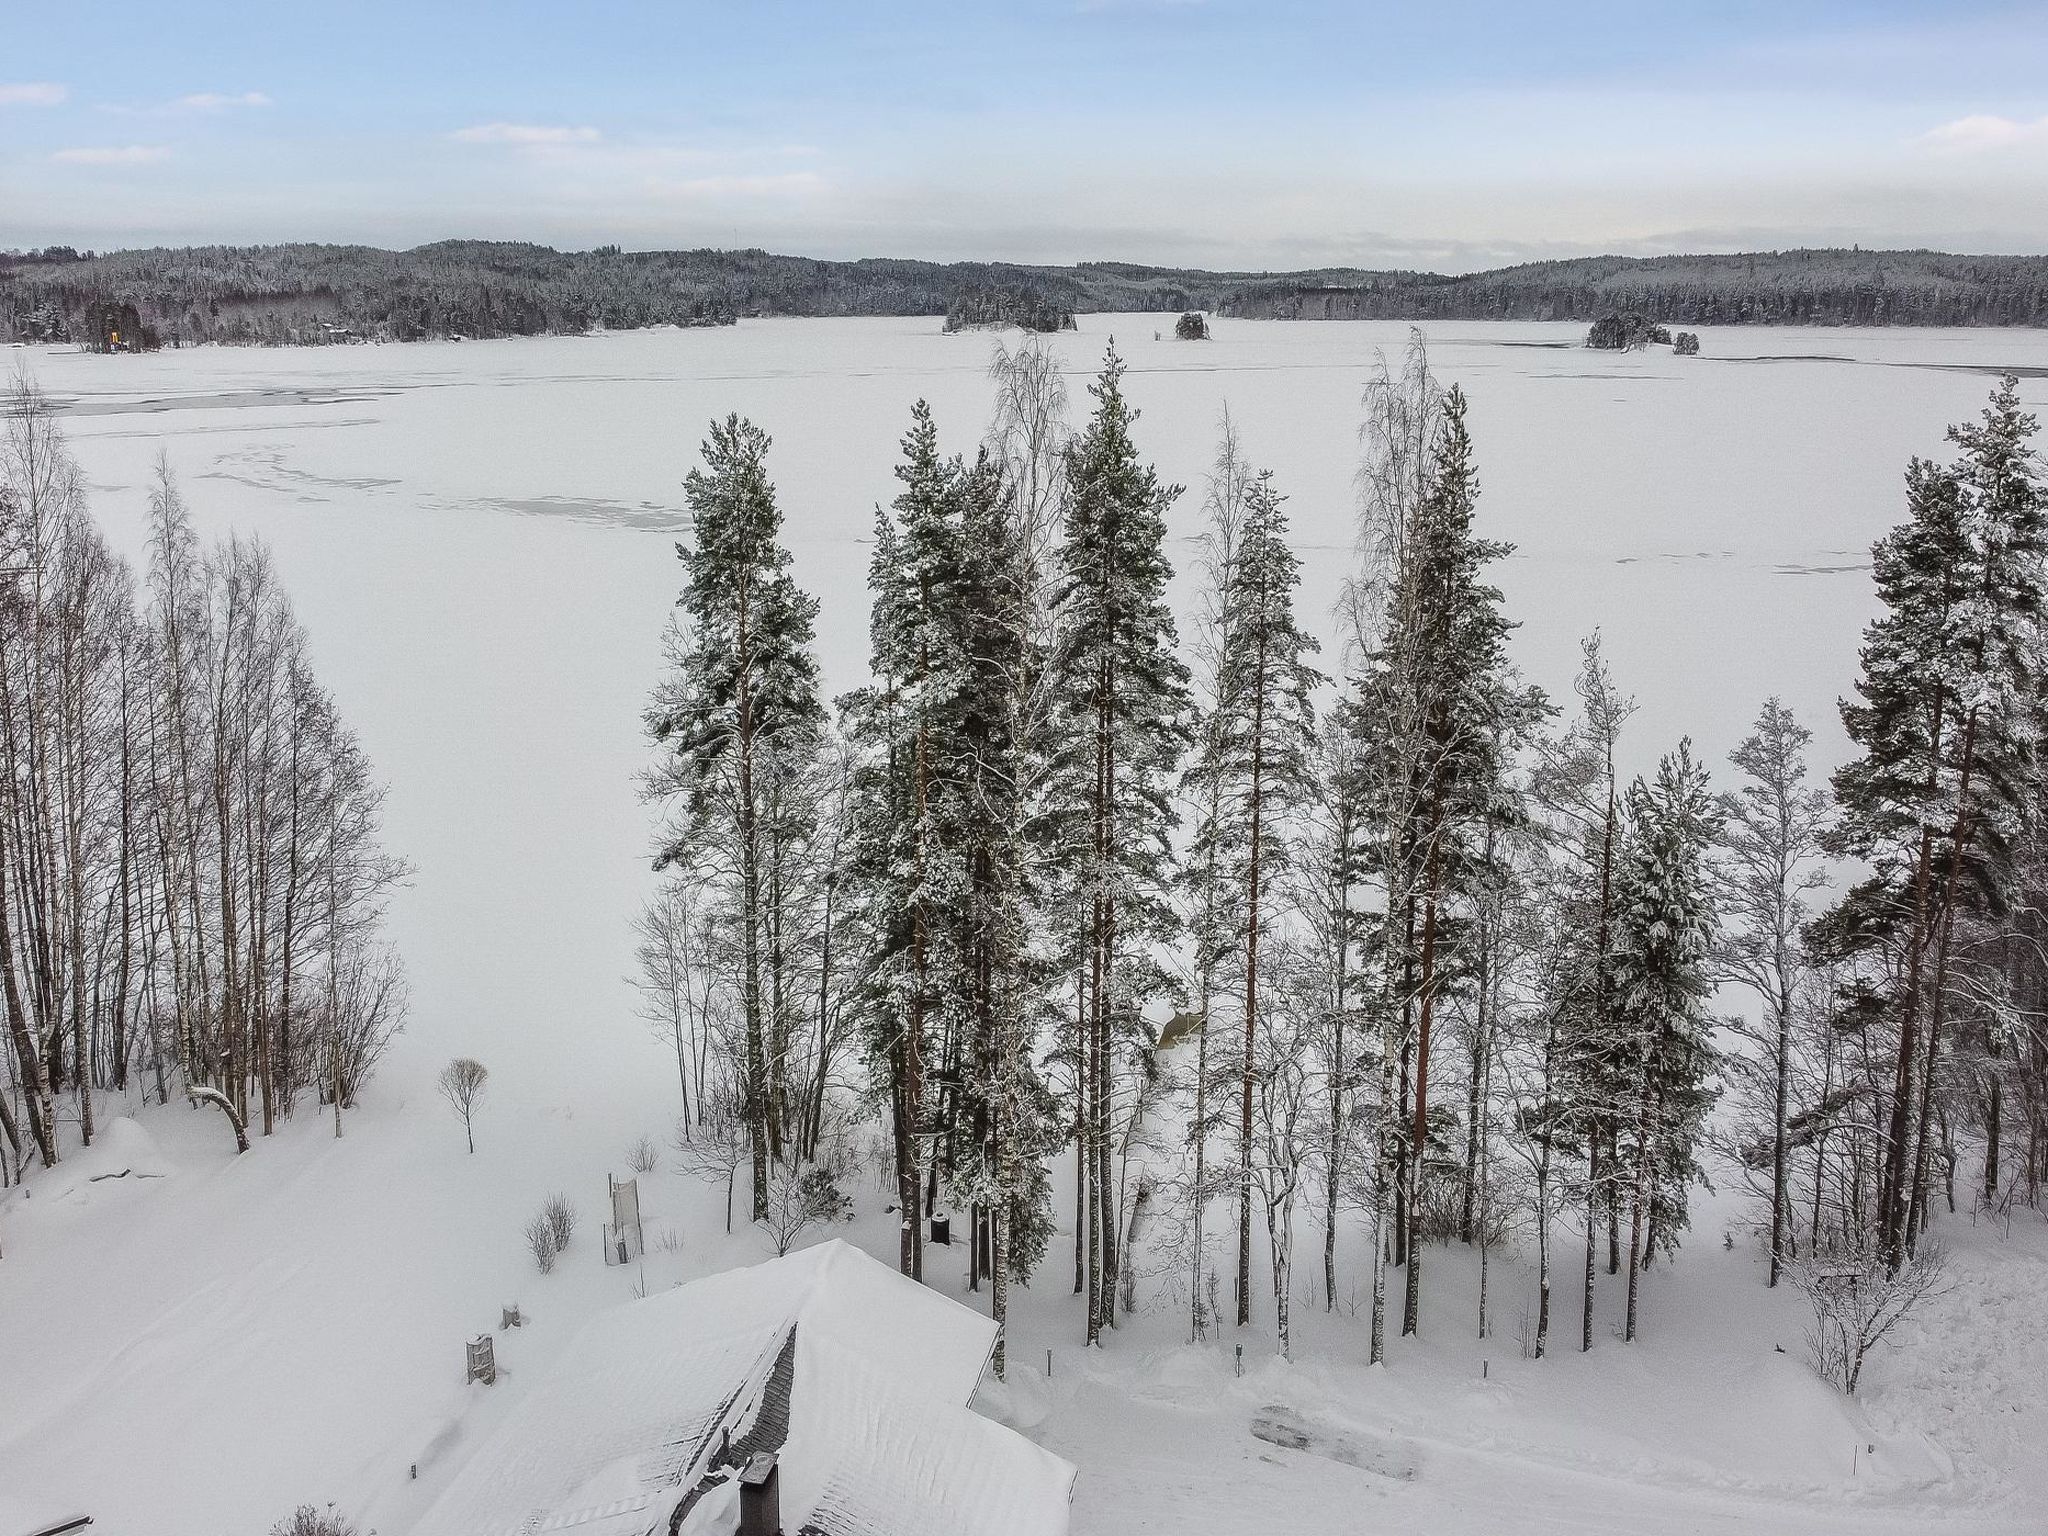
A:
[760,1496]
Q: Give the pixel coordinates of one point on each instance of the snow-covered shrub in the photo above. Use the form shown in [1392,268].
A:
[1440,1208]
[308,1521]
[1856,1304]
[643,1156]
[541,1242]
[560,1216]
[800,1198]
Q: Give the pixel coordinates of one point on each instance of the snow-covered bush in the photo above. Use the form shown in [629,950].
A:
[1856,1304]
[541,1241]
[800,1198]
[560,1216]
[308,1521]
[643,1156]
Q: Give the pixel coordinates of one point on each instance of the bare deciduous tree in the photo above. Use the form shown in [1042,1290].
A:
[715,1149]
[463,1083]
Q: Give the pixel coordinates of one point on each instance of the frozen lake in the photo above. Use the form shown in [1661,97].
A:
[478,537]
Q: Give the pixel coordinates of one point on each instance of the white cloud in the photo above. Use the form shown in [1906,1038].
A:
[124,154]
[32,93]
[216,101]
[1983,131]
[525,133]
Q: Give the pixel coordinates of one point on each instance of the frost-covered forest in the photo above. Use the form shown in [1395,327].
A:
[314,293]
[191,886]
[1434,965]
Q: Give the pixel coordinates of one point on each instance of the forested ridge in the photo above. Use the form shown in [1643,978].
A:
[301,293]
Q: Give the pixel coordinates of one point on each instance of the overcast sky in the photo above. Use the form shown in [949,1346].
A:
[1225,133]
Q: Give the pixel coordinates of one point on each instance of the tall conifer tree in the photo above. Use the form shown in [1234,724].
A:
[739,716]
[1124,701]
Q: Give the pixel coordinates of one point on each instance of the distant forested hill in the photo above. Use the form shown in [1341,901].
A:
[1765,288]
[310,293]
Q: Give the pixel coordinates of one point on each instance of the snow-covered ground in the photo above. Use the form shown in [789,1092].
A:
[478,537]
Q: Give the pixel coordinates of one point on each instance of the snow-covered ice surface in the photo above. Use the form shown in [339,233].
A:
[478,537]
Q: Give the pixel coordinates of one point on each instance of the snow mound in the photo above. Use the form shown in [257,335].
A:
[1022,1399]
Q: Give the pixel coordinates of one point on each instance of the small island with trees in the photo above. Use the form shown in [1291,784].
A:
[976,309]
[1626,332]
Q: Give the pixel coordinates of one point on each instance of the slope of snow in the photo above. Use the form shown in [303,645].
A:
[287,1327]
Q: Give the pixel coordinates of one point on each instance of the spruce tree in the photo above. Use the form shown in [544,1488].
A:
[1664,927]
[1578,786]
[903,721]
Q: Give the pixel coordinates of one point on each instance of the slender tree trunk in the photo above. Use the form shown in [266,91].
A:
[1640,1205]
[1891,1196]
[1938,1000]
[1333,1161]
[1251,997]
[1782,1068]
[1592,1247]
[1082,1078]
[1419,1131]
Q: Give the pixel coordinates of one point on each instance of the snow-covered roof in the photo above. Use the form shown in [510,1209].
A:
[879,1443]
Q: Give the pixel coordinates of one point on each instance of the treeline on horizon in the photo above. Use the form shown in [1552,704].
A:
[296,294]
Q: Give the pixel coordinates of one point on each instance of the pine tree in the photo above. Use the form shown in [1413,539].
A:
[941,871]
[1946,725]
[739,716]
[1250,779]
[1266,738]
[1438,681]
[1205,866]
[1123,702]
